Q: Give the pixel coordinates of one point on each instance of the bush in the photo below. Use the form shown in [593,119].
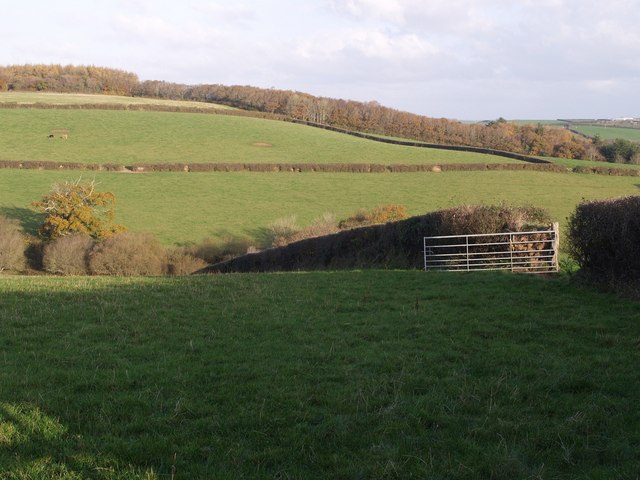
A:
[604,238]
[128,254]
[181,262]
[325,224]
[68,255]
[214,250]
[378,215]
[281,231]
[12,245]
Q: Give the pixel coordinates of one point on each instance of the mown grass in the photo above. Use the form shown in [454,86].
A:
[126,137]
[319,375]
[609,133]
[186,207]
[83,99]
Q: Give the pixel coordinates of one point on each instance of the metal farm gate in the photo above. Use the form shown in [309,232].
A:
[532,252]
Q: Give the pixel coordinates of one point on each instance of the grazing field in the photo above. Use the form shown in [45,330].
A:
[609,133]
[320,375]
[186,207]
[83,99]
[126,137]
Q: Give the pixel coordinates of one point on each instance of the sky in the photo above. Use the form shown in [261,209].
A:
[461,59]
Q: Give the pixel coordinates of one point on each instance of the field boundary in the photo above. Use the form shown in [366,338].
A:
[281,167]
[313,167]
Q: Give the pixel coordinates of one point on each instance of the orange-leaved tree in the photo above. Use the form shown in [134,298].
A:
[77,207]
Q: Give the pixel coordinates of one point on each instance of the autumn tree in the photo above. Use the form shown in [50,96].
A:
[77,207]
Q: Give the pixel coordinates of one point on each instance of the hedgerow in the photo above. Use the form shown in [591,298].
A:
[396,244]
[604,239]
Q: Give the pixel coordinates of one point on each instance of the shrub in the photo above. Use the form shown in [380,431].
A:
[281,231]
[128,254]
[68,255]
[325,224]
[181,262]
[378,215]
[604,238]
[12,245]
[214,250]
[388,213]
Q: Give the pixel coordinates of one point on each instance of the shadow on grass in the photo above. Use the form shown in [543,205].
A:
[316,375]
[30,220]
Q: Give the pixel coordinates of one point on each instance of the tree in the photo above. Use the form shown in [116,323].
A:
[77,207]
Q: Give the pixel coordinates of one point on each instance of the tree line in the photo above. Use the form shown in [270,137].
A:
[369,117]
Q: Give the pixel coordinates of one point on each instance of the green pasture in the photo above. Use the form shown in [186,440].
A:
[126,137]
[572,162]
[83,99]
[319,375]
[609,133]
[187,207]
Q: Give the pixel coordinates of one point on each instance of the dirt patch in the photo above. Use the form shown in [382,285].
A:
[262,144]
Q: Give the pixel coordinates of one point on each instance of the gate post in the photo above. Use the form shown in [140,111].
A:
[556,245]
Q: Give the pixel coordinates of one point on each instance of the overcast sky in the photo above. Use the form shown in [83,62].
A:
[465,59]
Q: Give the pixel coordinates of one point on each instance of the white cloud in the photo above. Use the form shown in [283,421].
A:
[228,12]
[367,43]
[158,31]
[392,10]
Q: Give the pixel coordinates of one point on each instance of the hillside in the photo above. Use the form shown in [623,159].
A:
[128,137]
[368,117]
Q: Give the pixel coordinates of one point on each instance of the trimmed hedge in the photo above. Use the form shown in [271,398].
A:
[304,167]
[391,245]
[604,238]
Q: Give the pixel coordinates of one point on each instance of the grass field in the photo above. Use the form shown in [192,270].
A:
[319,375]
[82,99]
[186,207]
[126,137]
[609,133]
[570,163]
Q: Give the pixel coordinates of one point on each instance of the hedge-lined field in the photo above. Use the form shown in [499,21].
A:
[180,207]
[319,375]
[127,137]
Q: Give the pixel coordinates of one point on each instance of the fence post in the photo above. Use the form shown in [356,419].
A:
[466,238]
[424,252]
[556,245]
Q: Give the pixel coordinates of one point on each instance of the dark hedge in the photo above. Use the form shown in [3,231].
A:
[391,245]
[604,238]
